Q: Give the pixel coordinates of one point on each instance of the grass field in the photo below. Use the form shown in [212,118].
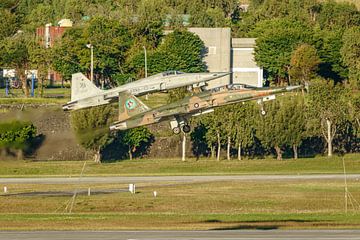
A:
[218,205]
[291,204]
[142,167]
[51,95]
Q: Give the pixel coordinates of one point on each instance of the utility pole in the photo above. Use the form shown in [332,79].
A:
[92,61]
[147,95]
[145,62]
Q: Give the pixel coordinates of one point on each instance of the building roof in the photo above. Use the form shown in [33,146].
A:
[243,42]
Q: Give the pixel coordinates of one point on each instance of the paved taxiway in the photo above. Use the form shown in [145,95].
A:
[186,235]
[177,179]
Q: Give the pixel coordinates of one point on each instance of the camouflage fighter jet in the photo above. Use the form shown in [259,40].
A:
[85,94]
[133,113]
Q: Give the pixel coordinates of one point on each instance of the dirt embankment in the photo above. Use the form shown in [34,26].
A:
[59,141]
[53,125]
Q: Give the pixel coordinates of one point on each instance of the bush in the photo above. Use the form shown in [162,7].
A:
[16,135]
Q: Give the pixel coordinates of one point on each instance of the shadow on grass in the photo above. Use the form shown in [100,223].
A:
[250,227]
[257,225]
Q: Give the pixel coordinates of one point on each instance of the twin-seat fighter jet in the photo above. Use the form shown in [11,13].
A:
[85,94]
[133,113]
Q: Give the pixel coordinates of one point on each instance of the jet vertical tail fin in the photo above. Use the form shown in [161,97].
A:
[130,106]
[82,87]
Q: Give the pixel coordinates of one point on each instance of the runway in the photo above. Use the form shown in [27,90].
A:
[175,179]
[185,235]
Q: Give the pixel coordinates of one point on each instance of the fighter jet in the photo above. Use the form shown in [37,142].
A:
[85,94]
[133,113]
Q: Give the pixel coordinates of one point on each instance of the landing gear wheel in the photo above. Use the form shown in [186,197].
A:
[263,112]
[176,130]
[186,128]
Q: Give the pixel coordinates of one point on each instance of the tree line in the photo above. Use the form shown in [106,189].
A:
[321,120]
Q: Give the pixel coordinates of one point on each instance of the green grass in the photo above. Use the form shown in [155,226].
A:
[218,205]
[142,167]
[51,96]
[48,93]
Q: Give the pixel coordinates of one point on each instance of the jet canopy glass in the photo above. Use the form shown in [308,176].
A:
[168,73]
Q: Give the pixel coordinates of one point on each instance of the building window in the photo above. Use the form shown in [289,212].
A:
[212,50]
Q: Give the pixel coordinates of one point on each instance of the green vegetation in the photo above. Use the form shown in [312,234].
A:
[149,167]
[16,136]
[218,205]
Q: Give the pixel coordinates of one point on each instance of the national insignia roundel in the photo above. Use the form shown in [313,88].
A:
[130,104]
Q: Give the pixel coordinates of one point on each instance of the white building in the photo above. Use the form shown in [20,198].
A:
[244,68]
[226,54]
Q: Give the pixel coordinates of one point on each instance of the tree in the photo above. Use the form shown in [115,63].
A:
[14,53]
[244,129]
[328,106]
[40,59]
[214,131]
[294,111]
[276,41]
[181,50]
[333,15]
[304,63]
[110,40]
[91,128]
[331,65]
[355,111]
[8,24]
[270,128]
[350,53]
[16,135]
[136,137]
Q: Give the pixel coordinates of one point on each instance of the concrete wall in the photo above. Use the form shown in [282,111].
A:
[244,68]
[218,50]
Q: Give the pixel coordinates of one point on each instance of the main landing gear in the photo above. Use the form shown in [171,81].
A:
[178,125]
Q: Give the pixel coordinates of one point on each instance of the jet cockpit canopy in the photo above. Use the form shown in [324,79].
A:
[168,73]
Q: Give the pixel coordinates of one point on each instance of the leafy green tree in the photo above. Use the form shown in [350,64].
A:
[244,128]
[270,128]
[72,55]
[355,111]
[181,50]
[8,24]
[350,52]
[150,15]
[14,53]
[276,41]
[338,14]
[304,63]
[299,10]
[110,41]
[328,107]
[331,65]
[294,111]
[40,59]
[227,125]
[214,132]
[40,15]
[91,128]
[135,138]
[16,135]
